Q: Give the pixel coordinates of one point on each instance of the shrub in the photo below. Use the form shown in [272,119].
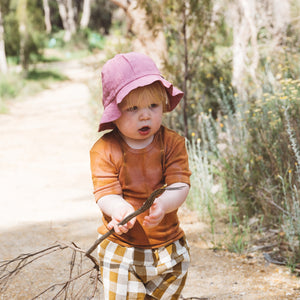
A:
[251,152]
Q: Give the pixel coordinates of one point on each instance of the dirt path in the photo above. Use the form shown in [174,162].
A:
[46,195]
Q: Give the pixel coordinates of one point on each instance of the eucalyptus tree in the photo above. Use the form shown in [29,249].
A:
[86,14]
[66,11]
[260,29]
[47,16]
[23,32]
[3,62]
[189,27]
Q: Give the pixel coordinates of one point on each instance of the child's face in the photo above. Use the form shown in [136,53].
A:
[139,121]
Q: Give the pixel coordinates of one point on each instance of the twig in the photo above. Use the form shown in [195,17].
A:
[147,204]
[282,210]
[269,259]
[24,260]
[72,264]
[262,247]
[96,283]
[63,283]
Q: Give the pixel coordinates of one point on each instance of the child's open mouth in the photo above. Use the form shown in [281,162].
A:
[144,130]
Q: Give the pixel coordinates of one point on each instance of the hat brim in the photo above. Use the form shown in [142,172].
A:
[112,112]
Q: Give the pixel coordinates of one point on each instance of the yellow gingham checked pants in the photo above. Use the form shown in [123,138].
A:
[134,273]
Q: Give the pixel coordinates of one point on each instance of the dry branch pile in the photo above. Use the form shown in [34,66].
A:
[82,281]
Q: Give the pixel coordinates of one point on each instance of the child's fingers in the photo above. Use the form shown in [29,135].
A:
[150,218]
[120,229]
[149,224]
[113,224]
[131,223]
[151,221]
[127,226]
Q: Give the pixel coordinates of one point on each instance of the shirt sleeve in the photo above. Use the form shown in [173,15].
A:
[176,160]
[104,169]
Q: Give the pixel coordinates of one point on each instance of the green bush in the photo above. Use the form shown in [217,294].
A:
[252,153]
[10,86]
[15,85]
[252,171]
[35,35]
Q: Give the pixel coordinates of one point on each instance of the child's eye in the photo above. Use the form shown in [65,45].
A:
[132,108]
[153,105]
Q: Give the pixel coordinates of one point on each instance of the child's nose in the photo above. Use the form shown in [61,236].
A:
[145,113]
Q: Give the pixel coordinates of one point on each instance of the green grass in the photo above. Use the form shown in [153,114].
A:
[15,86]
[45,75]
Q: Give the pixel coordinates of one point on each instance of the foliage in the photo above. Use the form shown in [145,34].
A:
[56,22]
[101,16]
[253,154]
[10,86]
[35,39]
[34,35]
[100,19]
[201,198]
[15,85]
[248,148]
[267,152]
[95,40]
[194,36]
[45,75]
[85,41]
[12,38]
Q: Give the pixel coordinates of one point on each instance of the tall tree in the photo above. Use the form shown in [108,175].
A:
[151,41]
[66,11]
[3,62]
[244,33]
[86,14]
[248,20]
[47,16]
[71,16]
[186,25]
[23,32]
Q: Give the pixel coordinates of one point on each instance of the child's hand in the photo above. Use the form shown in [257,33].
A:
[156,214]
[169,201]
[118,216]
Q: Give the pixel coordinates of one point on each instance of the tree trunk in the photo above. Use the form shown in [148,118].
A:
[23,31]
[244,34]
[70,16]
[277,17]
[186,72]
[63,15]
[3,63]
[66,12]
[248,17]
[145,41]
[47,16]
[86,13]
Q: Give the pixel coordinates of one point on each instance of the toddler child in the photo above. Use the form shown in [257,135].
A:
[148,257]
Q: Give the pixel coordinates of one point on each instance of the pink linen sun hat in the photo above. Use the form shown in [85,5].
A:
[124,73]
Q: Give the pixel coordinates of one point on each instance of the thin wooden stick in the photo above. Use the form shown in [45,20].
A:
[147,204]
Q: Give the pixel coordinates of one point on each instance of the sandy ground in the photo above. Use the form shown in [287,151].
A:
[46,196]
